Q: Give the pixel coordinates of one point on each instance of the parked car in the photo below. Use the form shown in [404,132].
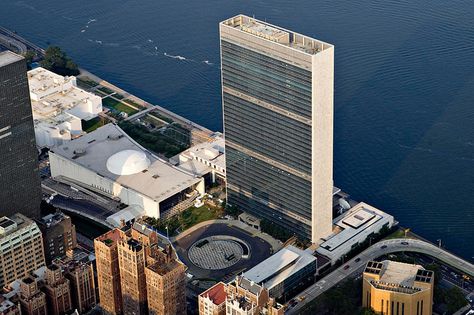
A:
[357,259]
[346,267]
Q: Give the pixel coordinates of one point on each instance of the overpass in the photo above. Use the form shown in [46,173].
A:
[379,249]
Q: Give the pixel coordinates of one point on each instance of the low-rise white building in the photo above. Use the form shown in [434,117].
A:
[205,159]
[353,227]
[58,106]
[284,271]
[108,161]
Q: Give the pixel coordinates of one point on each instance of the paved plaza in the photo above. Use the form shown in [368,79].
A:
[214,259]
[215,252]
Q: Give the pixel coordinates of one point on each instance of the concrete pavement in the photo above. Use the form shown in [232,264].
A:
[276,244]
[373,252]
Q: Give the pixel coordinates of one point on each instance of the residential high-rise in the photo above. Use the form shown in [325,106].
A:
[391,287]
[132,276]
[20,189]
[277,90]
[59,235]
[240,296]
[32,300]
[166,284]
[108,271]
[58,291]
[212,301]
[81,277]
[21,248]
[7,307]
[138,273]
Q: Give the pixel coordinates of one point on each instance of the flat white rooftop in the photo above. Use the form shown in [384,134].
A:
[7,57]
[276,34]
[399,273]
[53,94]
[193,159]
[158,182]
[279,266]
[355,221]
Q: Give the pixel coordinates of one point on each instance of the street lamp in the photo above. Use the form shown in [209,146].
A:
[439,242]
[167,234]
[406,231]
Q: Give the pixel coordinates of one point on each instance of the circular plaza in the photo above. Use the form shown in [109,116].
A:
[220,250]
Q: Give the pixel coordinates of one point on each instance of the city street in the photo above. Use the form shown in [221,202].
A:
[371,253]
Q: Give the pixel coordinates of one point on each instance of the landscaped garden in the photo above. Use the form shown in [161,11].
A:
[185,219]
[169,142]
[118,105]
[93,124]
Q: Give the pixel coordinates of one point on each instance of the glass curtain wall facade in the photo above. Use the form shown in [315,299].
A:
[268,127]
[20,188]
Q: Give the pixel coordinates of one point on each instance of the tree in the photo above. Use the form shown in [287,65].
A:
[436,271]
[455,299]
[57,61]
[368,311]
[29,56]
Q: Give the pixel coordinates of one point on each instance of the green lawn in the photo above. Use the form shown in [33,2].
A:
[400,233]
[86,83]
[193,216]
[153,121]
[164,118]
[117,105]
[129,101]
[93,124]
[105,90]
[159,142]
[185,219]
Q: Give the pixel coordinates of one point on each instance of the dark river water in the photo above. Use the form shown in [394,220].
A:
[404,90]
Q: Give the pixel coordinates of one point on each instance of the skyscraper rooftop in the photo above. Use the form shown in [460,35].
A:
[7,57]
[277,34]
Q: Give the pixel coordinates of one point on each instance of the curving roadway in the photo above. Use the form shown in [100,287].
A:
[373,252]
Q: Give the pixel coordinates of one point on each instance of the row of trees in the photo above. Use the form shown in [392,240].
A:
[54,60]
[58,61]
[156,141]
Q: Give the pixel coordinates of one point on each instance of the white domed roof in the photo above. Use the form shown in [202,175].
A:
[127,162]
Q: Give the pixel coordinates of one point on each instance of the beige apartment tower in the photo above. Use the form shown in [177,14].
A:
[21,248]
[108,271]
[166,284]
[58,291]
[81,277]
[32,300]
[142,275]
[132,276]
[277,91]
[393,288]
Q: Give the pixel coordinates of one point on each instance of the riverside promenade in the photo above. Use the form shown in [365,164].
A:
[149,107]
[199,132]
